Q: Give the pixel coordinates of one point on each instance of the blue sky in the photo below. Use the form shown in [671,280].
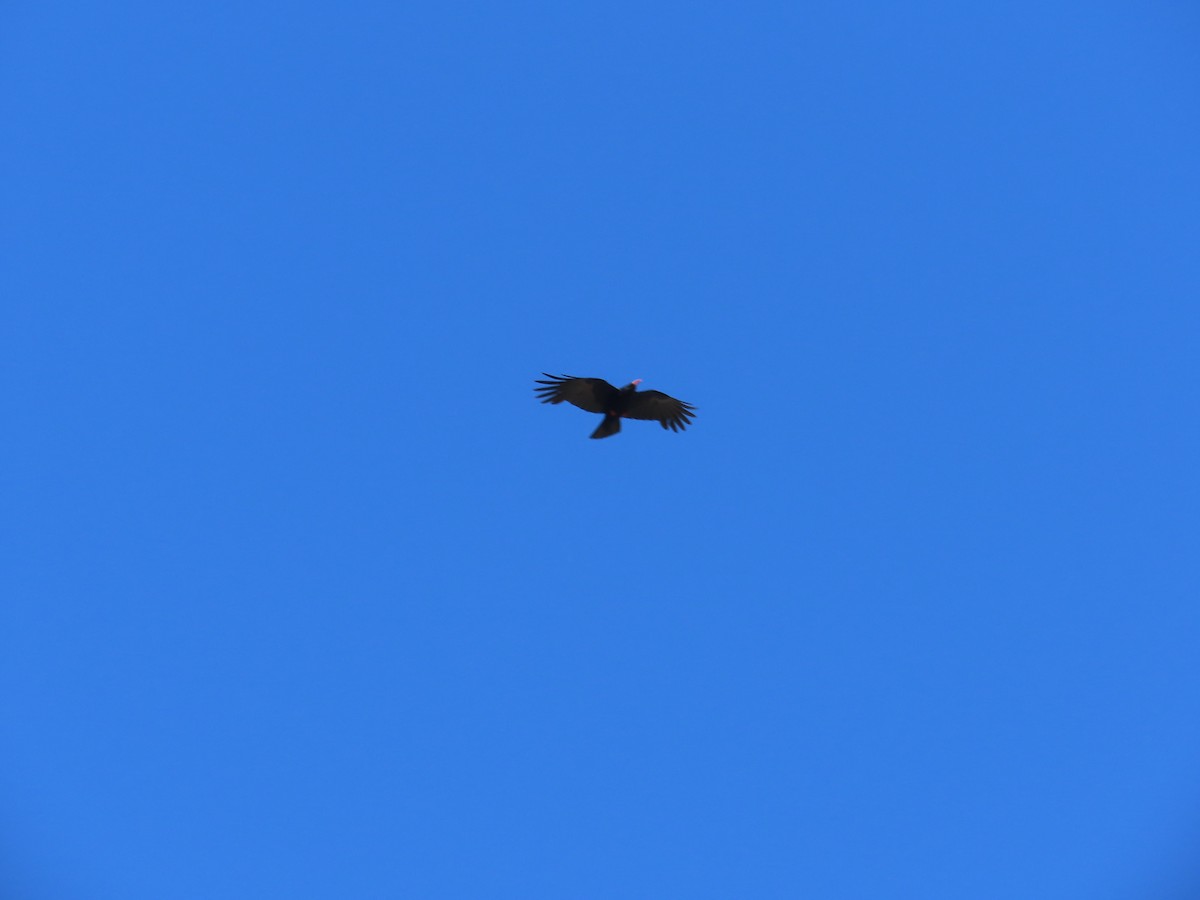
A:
[306,596]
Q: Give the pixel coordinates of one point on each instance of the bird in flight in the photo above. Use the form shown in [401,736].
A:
[598,396]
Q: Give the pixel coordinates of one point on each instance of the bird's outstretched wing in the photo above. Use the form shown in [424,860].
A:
[657,406]
[593,394]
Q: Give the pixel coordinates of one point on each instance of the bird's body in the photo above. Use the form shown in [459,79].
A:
[598,396]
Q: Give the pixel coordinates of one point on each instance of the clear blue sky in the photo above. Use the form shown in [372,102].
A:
[305,596]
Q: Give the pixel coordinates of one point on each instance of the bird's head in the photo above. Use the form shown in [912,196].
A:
[632,386]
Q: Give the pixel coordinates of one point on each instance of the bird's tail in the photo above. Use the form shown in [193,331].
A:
[610,425]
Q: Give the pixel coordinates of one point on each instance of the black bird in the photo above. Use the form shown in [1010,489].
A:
[598,396]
